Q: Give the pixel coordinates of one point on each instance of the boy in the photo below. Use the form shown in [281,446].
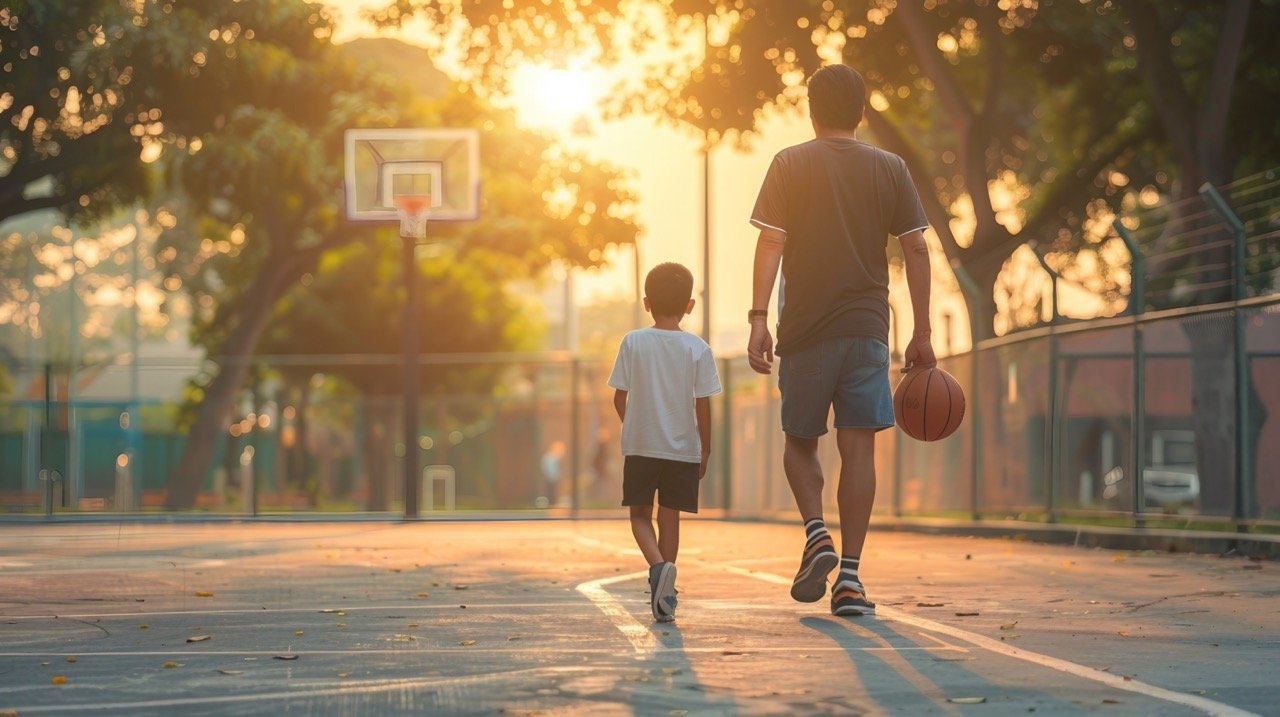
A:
[663,378]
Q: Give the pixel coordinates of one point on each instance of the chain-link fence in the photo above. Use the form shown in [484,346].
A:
[1162,414]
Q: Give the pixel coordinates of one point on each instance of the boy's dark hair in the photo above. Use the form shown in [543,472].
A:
[668,288]
[837,97]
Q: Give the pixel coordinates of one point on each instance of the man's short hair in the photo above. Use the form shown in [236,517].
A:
[837,97]
[668,288]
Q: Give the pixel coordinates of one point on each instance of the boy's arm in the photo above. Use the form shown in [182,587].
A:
[702,409]
[620,403]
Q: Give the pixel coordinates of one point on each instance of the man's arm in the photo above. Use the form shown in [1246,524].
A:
[702,409]
[620,403]
[765,272]
[915,252]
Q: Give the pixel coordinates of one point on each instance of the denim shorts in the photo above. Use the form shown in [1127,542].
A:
[850,373]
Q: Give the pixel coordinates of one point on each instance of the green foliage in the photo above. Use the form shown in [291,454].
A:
[1047,97]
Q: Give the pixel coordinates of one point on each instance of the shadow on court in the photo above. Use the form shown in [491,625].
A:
[552,617]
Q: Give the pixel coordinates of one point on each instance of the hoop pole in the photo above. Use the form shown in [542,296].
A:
[407,245]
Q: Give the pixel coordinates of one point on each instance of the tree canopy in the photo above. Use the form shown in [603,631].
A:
[1024,120]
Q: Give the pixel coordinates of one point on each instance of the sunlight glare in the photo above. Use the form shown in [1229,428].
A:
[548,96]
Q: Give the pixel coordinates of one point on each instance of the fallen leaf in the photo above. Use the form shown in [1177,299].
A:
[198,638]
[71,658]
[203,593]
[171,665]
[733,652]
[466,642]
[59,680]
[299,633]
[512,637]
[967,700]
[289,656]
[144,627]
[1009,625]
[1117,558]
[413,624]
[930,604]
[328,610]
[1122,633]
[1110,701]
[343,675]
[424,595]
[1127,678]
[459,587]
[395,570]
[340,624]
[232,672]
[403,638]
[966,614]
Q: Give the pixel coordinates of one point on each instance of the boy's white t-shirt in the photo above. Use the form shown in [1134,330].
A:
[663,371]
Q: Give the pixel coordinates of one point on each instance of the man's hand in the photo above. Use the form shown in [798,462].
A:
[760,347]
[919,354]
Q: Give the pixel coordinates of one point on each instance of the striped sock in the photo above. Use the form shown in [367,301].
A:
[849,573]
[817,539]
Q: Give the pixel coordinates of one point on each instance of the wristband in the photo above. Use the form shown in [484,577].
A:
[754,313]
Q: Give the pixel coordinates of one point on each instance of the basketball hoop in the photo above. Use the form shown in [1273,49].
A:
[413,210]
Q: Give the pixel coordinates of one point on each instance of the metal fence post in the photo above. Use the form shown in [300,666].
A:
[1053,426]
[1244,465]
[1138,424]
[726,435]
[973,295]
[575,443]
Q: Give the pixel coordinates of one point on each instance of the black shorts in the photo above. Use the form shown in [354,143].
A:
[676,482]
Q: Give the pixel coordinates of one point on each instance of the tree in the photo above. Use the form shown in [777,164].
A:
[1190,56]
[267,184]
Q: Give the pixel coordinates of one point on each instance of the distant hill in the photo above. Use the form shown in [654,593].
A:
[410,62]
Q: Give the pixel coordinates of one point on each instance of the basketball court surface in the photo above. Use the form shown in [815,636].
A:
[552,617]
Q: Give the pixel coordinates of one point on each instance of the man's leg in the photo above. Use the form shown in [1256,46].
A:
[855,494]
[804,473]
[857,489]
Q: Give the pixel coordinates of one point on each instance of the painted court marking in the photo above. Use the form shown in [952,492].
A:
[345,688]
[1208,706]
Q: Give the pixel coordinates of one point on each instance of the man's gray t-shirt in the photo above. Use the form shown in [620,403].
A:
[838,201]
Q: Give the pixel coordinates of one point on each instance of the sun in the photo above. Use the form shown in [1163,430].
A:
[554,97]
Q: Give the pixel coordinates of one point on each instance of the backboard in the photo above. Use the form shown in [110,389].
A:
[382,164]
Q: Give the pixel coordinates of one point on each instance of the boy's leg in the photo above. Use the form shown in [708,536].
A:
[642,530]
[668,533]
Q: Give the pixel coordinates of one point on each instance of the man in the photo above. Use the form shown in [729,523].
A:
[825,212]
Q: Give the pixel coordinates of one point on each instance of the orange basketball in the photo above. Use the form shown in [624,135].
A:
[929,404]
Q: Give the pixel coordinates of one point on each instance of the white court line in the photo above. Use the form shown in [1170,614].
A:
[1118,682]
[1208,706]
[363,687]
[638,635]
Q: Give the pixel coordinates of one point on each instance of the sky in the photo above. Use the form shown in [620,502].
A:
[669,184]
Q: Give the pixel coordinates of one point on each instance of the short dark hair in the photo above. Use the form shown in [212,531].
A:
[837,97]
[668,288]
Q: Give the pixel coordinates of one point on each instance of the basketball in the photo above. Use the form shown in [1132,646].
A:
[928,404]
